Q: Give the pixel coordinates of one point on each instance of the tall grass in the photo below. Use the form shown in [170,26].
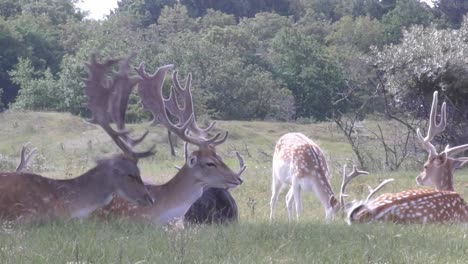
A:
[69,147]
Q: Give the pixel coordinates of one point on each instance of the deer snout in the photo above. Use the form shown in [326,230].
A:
[419,180]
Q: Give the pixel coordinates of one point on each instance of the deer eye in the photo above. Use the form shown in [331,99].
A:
[135,178]
[211,164]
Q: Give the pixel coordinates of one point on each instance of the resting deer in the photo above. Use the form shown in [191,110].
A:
[203,168]
[423,206]
[299,162]
[30,197]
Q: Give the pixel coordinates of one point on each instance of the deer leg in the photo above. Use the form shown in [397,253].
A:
[296,187]
[290,202]
[275,190]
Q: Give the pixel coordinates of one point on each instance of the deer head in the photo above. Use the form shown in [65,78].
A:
[204,163]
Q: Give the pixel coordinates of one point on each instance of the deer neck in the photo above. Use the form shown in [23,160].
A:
[446,182]
[174,198]
[86,193]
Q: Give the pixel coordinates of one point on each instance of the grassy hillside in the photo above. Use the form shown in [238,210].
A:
[69,146]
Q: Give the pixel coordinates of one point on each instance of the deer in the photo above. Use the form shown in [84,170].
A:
[439,167]
[439,205]
[203,168]
[300,163]
[28,197]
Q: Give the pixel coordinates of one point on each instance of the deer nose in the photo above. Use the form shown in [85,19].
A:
[418,180]
[240,180]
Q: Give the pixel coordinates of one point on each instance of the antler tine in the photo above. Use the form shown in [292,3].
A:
[380,186]
[347,179]
[242,166]
[188,108]
[25,158]
[108,98]
[434,128]
[455,150]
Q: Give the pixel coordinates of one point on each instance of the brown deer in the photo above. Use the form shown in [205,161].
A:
[203,168]
[441,205]
[300,163]
[29,197]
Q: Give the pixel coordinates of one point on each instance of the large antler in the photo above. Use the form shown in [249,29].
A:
[150,91]
[376,189]
[183,113]
[107,94]
[25,157]
[434,128]
[347,179]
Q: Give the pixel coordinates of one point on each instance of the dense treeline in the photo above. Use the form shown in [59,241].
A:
[251,59]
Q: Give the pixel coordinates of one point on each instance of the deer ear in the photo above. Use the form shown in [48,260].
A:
[332,202]
[191,161]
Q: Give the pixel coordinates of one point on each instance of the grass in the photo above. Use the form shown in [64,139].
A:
[68,146]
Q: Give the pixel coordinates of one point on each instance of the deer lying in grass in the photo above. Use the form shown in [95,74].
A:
[442,205]
[300,163]
[203,168]
[29,197]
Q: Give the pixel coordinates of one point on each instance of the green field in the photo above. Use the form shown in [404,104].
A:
[68,146]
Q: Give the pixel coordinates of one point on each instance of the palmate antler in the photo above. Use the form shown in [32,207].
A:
[107,94]
[150,91]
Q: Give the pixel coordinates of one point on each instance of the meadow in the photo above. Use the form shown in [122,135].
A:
[68,146]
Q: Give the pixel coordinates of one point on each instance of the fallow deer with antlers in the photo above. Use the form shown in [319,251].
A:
[30,197]
[300,163]
[203,168]
[442,205]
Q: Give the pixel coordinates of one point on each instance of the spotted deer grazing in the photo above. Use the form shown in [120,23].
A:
[300,163]
[28,197]
[422,206]
[439,167]
[203,168]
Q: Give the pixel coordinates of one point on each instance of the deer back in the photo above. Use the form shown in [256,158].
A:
[412,206]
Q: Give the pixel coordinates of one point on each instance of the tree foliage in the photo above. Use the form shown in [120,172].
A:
[250,59]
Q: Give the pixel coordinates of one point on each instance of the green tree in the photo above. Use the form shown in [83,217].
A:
[451,10]
[428,59]
[309,72]
[147,12]
[37,88]
[361,32]
[405,14]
